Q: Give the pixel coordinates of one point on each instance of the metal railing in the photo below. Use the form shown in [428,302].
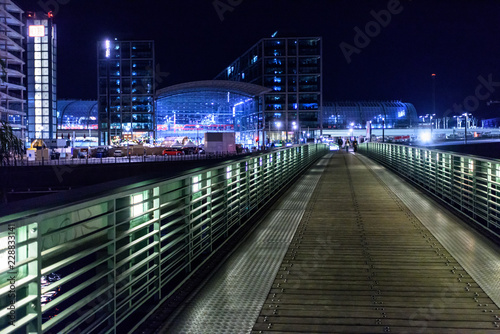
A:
[469,184]
[106,263]
[121,159]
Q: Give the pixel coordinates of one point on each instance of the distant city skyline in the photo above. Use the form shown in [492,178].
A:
[373,50]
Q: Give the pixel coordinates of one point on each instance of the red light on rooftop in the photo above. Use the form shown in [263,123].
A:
[433,74]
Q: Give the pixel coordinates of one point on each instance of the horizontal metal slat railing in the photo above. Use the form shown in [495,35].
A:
[469,184]
[119,256]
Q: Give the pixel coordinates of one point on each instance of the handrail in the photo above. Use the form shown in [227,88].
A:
[470,184]
[107,263]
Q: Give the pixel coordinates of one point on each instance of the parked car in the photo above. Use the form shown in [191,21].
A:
[117,153]
[83,153]
[454,136]
[101,152]
[172,151]
[54,155]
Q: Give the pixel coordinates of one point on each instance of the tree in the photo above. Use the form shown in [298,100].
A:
[10,145]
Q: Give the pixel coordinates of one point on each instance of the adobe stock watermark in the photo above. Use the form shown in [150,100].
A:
[52,5]
[483,92]
[223,6]
[372,29]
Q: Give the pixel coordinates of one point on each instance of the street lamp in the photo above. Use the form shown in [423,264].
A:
[278,125]
[433,93]
[466,121]
[197,128]
[431,124]
[383,130]
[294,126]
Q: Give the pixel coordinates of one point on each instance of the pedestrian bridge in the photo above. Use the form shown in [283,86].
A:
[349,247]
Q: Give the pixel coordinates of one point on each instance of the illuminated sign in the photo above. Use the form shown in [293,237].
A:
[37,31]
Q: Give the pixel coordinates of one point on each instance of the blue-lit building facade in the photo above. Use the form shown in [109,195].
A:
[78,116]
[292,69]
[126,90]
[12,72]
[193,108]
[42,76]
[356,114]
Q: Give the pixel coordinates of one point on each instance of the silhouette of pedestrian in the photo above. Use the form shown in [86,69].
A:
[355,145]
[347,143]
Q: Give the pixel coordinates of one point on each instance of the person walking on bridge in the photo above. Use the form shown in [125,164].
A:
[347,143]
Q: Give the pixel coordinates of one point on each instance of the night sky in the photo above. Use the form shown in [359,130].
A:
[457,40]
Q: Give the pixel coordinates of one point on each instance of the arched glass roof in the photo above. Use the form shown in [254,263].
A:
[241,88]
[76,114]
[210,105]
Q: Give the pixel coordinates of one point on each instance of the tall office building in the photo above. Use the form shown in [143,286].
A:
[42,76]
[126,88]
[292,67]
[12,75]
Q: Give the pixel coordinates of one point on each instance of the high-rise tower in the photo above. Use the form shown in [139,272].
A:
[126,88]
[42,76]
[12,70]
[292,67]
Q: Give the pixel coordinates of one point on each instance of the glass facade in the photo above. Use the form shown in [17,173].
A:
[352,114]
[292,68]
[76,115]
[191,109]
[12,70]
[126,90]
[42,77]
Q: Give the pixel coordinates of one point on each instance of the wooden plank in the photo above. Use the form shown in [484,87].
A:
[360,262]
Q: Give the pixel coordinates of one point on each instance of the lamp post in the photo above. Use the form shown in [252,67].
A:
[383,130]
[383,121]
[278,125]
[197,140]
[433,75]
[294,125]
[431,124]
[466,121]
